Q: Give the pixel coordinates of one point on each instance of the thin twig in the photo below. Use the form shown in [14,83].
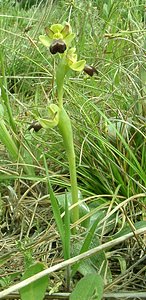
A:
[65,296]
[54,296]
[125,295]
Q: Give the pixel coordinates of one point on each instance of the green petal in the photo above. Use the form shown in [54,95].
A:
[78,65]
[56,27]
[49,32]
[66,30]
[45,40]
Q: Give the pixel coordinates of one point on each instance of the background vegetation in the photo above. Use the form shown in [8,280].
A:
[108,113]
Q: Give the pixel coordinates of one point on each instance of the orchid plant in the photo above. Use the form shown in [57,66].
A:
[58,39]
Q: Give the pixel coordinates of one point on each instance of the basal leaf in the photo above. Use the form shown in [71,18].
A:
[89,287]
[36,289]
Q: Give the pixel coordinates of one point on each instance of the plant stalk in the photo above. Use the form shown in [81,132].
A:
[60,75]
[65,129]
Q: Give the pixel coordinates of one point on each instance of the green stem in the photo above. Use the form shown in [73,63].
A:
[60,75]
[67,135]
[65,129]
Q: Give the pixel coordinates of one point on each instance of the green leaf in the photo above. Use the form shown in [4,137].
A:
[122,262]
[127,229]
[36,289]
[67,231]
[55,207]
[88,288]
[45,40]
[83,207]
[83,211]
[1,111]
[86,244]
[8,141]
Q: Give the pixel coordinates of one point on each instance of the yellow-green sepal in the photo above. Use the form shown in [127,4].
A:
[52,119]
[45,40]
[78,65]
[68,39]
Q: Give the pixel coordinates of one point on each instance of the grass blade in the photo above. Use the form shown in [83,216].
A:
[55,208]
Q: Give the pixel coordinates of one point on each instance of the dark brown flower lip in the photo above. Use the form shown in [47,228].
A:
[90,70]
[35,125]
[57,46]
